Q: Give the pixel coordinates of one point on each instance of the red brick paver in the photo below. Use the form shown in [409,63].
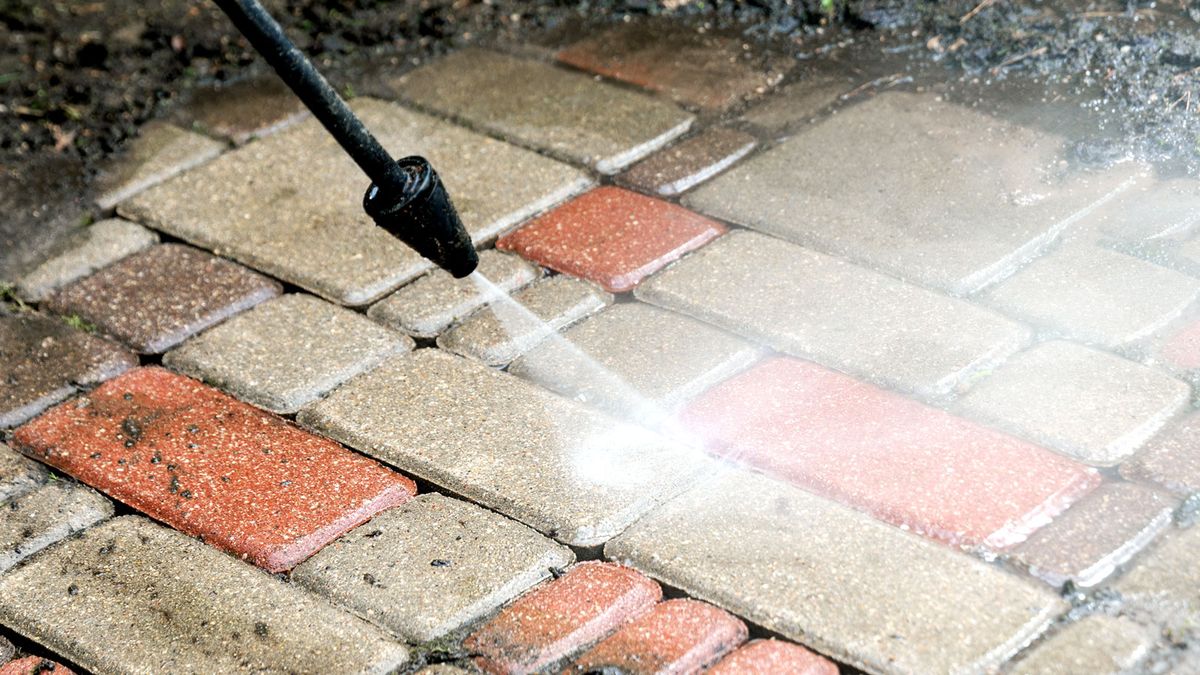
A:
[900,460]
[1181,350]
[241,479]
[772,657]
[560,617]
[34,665]
[612,236]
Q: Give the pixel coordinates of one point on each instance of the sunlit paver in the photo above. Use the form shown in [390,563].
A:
[52,512]
[567,471]
[287,351]
[91,249]
[1165,577]
[431,566]
[18,474]
[246,109]
[1171,459]
[1085,403]
[823,308]
[767,657]
[858,589]
[261,205]
[935,193]
[1097,645]
[550,622]
[34,665]
[132,596]
[242,479]
[158,153]
[156,299]
[566,114]
[688,163]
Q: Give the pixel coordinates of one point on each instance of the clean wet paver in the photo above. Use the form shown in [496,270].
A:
[49,514]
[612,237]
[1088,404]
[287,351]
[796,103]
[261,205]
[957,229]
[245,109]
[156,299]
[1153,211]
[1165,578]
[95,247]
[550,622]
[688,163]
[819,307]
[767,657]
[43,360]
[567,471]
[431,304]
[563,113]
[18,473]
[432,566]
[160,151]
[1096,644]
[917,467]
[1171,459]
[188,455]
[133,596]
[734,541]
[505,329]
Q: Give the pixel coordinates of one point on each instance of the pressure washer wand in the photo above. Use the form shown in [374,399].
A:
[406,197]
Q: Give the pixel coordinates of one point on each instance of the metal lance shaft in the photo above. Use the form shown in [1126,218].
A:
[406,197]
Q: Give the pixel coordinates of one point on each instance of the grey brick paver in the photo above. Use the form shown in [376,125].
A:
[132,596]
[1152,211]
[287,351]
[565,470]
[245,109]
[800,101]
[831,311]
[1171,459]
[688,163]
[95,247]
[1166,579]
[431,566]
[159,152]
[52,512]
[18,474]
[861,591]
[291,204]
[566,114]
[1094,645]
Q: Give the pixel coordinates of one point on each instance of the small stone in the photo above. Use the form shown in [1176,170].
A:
[686,164]
[47,515]
[161,151]
[92,249]
[34,665]
[1171,459]
[18,475]
[768,657]
[1096,644]
[247,109]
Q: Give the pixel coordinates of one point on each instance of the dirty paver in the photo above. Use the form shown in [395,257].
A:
[765,657]
[156,299]
[1179,349]
[818,307]
[244,110]
[188,455]
[733,541]
[287,351]
[566,114]
[133,596]
[1095,644]
[796,103]
[431,566]
[160,152]
[18,474]
[1171,459]
[34,665]
[49,514]
[688,163]
[97,246]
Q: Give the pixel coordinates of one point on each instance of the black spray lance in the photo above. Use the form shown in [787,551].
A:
[406,197]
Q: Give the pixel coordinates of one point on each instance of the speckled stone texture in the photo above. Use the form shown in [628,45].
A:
[565,470]
[822,308]
[565,114]
[688,163]
[676,636]
[636,360]
[550,622]
[160,152]
[34,665]
[243,480]
[43,359]
[704,69]
[7,650]
[1180,349]
[18,474]
[857,589]
[431,566]
[1166,578]
[946,225]
[156,299]
[431,304]
[1087,404]
[799,102]
[1171,459]
[1095,296]
[91,249]
[1104,530]
[902,461]
[1096,644]
[245,109]
[261,205]
[52,512]
[132,596]
[505,329]
[1152,211]
[612,236]
[287,351]
[768,657]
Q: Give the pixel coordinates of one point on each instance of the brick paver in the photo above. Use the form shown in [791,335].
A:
[1165,576]
[1171,459]
[852,587]
[815,306]
[261,206]
[431,304]
[550,622]
[18,475]
[904,462]
[1096,644]
[91,249]
[565,470]
[43,360]
[246,109]
[1088,404]
[688,163]
[52,512]
[159,152]
[952,198]
[7,650]
[1180,349]
[287,351]
[431,566]
[767,657]
[34,665]
[612,236]
[1152,211]
[242,479]
[797,103]
[504,330]
[563,113]
[132,596]
[156,299]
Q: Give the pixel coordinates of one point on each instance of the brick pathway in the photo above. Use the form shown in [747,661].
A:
[923,399]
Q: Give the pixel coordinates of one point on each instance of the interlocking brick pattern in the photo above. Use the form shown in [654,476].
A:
[766,657]
[96,247]
[52,512]
[688,163]
[1095,644]
[18,474]
[1170,459]
[160,152]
